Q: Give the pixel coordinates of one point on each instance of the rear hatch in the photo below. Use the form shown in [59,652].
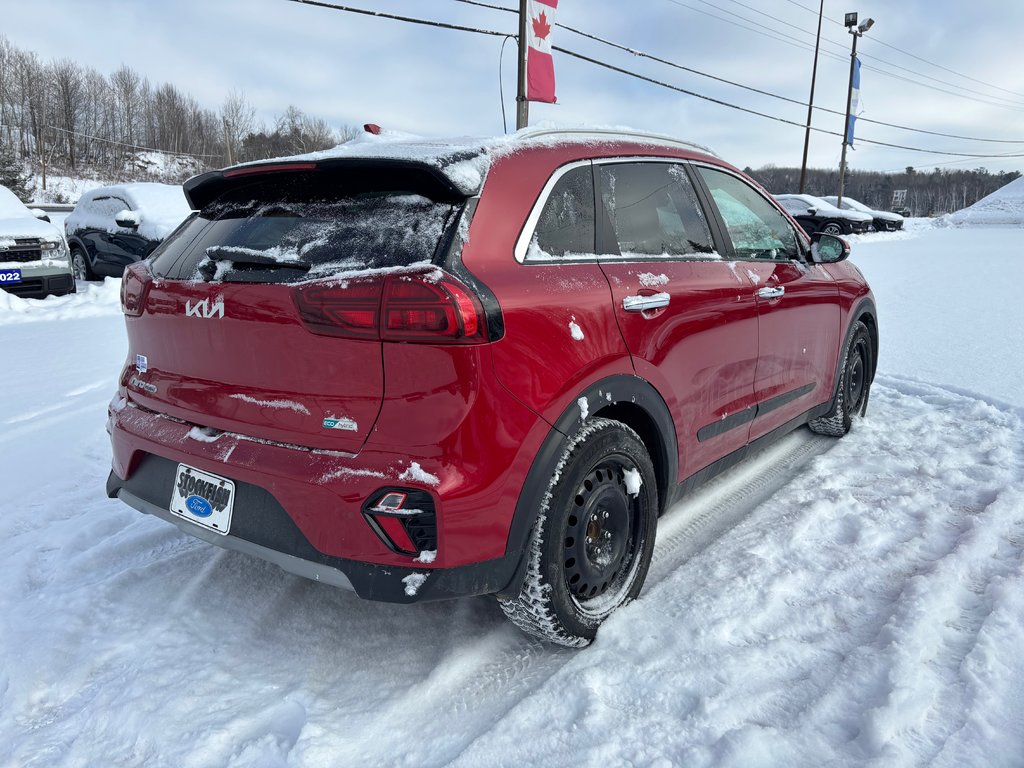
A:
[228,325]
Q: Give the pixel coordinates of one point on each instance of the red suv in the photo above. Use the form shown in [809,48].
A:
[422,370]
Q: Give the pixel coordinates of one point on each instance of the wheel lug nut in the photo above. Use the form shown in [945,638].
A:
[607,534]
[604,516]
[589,540]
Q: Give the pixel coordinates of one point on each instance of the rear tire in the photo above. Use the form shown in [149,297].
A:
[833,228]
[591,546]
[854,385]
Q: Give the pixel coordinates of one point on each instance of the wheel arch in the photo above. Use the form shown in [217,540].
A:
[627,399]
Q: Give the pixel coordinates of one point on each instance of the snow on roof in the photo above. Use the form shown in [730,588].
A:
[161,207]
[1003,208]
[11,207]
[465,160]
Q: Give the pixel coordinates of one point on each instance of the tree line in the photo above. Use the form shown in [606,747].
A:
[928,193]
[74,118]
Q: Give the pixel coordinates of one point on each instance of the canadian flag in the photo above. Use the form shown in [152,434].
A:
[540,67]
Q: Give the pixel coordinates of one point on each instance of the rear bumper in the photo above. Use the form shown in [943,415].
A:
[303,509]
[265,531]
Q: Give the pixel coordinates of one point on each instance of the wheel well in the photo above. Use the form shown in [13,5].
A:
[869,320]
[641,422]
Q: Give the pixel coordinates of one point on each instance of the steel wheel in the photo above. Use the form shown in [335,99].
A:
[601,535]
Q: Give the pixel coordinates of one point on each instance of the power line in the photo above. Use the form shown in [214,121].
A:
[629,73]
[973,96]
[663,84]
[131,146]
[875,39]
[396,17]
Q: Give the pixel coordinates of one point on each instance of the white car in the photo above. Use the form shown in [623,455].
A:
[884,220]
[34,259]
[816,215]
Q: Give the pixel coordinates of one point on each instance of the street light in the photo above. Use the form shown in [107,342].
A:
[856,30]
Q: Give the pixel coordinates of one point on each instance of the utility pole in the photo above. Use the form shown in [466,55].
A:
[522,105]
[227,142]
[810,101]
[856,31]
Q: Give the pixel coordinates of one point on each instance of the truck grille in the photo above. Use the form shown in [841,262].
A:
[24,249]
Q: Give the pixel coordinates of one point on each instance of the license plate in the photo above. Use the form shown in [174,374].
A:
[10,276]
[203,498]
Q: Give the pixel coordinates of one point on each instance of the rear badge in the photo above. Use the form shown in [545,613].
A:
[342,423]
[141,363]
[145,386]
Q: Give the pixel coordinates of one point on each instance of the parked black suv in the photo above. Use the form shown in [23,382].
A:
[112,227]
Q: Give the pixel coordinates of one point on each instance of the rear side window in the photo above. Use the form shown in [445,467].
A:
[756,227]
[107,206]
[653,211]
[301,229]
[566,225]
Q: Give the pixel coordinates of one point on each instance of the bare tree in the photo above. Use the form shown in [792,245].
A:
[239,119]
[69,91]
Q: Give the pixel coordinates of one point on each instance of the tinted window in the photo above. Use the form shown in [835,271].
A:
[756,227]
[794,206]
[566,225]
[308,227]
[107,206]
[653,210]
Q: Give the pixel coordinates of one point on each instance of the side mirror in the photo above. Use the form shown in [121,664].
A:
[828,249]
[812,211]
[40,214]
[128,219]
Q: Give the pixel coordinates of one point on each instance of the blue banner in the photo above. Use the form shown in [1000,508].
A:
[854,101]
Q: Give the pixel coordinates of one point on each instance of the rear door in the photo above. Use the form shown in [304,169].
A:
[688,315]
[797,303]
[252,323]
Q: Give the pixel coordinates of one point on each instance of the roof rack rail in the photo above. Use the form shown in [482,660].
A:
[528,134]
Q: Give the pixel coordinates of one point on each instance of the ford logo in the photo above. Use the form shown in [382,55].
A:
[199,506]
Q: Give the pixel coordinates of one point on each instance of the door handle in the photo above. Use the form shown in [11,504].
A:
[769,292]
[644,303]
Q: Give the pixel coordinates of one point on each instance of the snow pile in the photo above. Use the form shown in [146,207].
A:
[1003,208]
[91,300]
[161,208]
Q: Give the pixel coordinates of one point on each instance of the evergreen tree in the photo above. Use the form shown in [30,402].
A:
[12,173]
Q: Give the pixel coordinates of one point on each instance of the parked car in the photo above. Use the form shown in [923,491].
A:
[816,215]
[33,255]
[112,227]
[421,370]
[883,221]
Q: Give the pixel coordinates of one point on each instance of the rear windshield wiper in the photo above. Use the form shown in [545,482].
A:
[248,256]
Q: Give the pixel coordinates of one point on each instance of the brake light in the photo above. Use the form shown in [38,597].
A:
[252,170]
[350,309]
[409,308]
[134,287]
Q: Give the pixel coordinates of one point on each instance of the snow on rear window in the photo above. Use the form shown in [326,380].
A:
[286,241]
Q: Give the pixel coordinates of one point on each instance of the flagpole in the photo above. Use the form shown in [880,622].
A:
[522,105]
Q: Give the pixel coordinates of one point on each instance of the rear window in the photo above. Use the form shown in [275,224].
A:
[298,228]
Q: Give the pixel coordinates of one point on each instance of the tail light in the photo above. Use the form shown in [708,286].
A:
[424,308]
[134,287]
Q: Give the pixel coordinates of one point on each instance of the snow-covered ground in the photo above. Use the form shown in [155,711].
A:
[826,603]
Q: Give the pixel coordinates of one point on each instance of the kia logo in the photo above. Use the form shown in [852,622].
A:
[205,309]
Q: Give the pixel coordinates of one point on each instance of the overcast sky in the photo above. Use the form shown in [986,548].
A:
[352,69]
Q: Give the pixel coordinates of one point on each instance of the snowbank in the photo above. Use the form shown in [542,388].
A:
[91,300]
[1003,208]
